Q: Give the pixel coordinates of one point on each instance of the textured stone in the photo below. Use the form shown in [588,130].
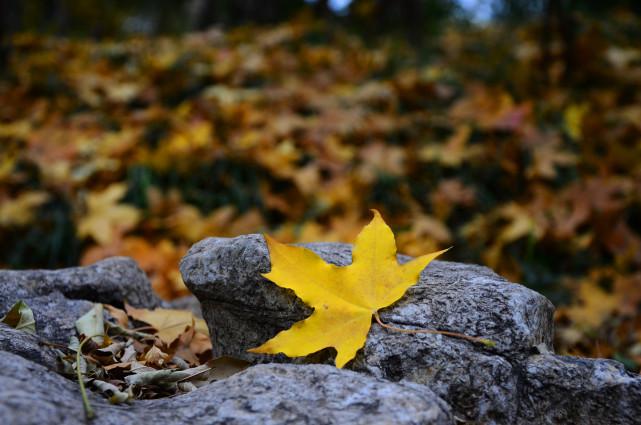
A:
[480,385]
[59,297]
[243,310]
[264,394]
[225,274]
[27,345]
[564,390]
[110,281]
[188,302]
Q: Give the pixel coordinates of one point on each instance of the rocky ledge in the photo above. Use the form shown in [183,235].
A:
[59,297]
[517,381]
[396,378]
[32,392]
[265,394]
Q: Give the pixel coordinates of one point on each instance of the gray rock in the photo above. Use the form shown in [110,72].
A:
[480,385]
[59,297]
[243,310]
[188,302]
[563,389]
[110,281]
[27,345]
[267,394]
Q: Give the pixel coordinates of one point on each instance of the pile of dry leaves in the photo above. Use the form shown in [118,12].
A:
[135,353]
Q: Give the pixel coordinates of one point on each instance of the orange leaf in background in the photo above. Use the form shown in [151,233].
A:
[159,261]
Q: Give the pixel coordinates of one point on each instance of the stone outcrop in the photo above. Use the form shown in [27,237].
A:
[396,378]
[482,384]
[264,394]
[59,297]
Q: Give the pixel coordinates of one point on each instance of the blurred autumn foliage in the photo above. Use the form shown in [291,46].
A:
[519,149]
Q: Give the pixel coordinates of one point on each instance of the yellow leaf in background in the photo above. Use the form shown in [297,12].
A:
[573,119]
[595,305]
[18,129]
[379,158]
[20,211]
[454,151]
[344,298]
[105,218]
[122,92]
[169,323]
[425,234]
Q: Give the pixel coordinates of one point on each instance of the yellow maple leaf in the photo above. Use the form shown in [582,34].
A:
[344,298]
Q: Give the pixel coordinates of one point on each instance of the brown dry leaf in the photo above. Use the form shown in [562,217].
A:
[118,314]
[169,323]
[191,346]
[155,357]
[224,367]
[448,194]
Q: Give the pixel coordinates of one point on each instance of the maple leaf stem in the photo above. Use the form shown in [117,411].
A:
[484,341]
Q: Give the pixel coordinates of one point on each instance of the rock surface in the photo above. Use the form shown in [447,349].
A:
[562,389]
[28,346]
[225,274]
[59,297]
[188,302]
[506,384]
[110,281]
[264,394]
[500,385]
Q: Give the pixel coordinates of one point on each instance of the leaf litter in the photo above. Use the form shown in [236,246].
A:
[142,354]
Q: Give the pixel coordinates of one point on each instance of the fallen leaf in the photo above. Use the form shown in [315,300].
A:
[224,367]
[344,298]
[20,317]
[573,119]
[190,345]
[118,314]
[169,323]
[156,357]
[113,393]
[92,324]
[594,306]
[20,211]
[105,218]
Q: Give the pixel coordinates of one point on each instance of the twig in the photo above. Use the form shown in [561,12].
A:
[83,391]
[484,341]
